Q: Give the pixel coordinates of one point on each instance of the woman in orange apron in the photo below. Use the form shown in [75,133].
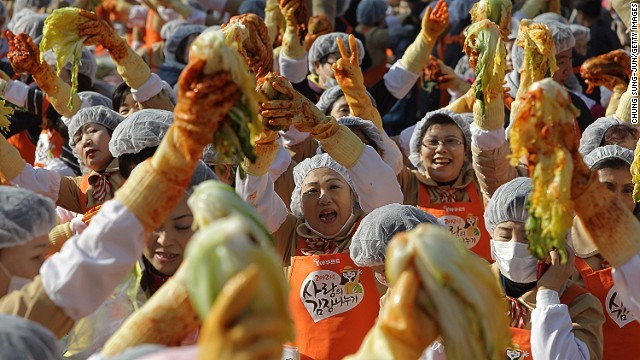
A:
[444,184]
[621,330]
[551,318]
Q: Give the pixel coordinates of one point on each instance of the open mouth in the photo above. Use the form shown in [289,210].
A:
[164,257]
[328,216]
[90,153]
[441,162]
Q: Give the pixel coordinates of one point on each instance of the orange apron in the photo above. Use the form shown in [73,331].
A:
[464,219]
[25,146]
[621,331]
[520,348]
[334,304]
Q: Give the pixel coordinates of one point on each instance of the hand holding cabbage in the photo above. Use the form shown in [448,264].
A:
[439,288]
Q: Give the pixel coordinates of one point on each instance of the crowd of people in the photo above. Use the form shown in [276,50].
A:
[379,116]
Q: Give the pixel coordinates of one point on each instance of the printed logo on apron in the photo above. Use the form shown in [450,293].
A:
[466,229]
[513,353]
[616,309]
[326,293]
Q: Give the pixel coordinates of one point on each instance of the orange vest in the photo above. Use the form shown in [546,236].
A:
[151,36]
[334,304]
[621,331]
[25,146]
[464,219]
[82,192]
[520,348]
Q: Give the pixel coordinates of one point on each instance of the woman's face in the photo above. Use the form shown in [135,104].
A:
[327,202]
[166,249]
[619,182]
[510,231]
[25,260]
[442,152]
[128,106]
[565,66]
[340,108]
[92,146]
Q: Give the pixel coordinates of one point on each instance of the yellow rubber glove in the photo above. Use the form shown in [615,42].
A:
[130,66]
[615,99]
[24,56]
[11,162]
[348,74]
[433,24]
[295,14]
[229,334]
[403,330]
[273,19]
[623,112]
[157,185]
[266,150]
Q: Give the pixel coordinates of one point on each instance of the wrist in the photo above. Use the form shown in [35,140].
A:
[548,296]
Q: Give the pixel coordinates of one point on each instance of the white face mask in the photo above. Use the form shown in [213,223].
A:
[15,282]
[514,260]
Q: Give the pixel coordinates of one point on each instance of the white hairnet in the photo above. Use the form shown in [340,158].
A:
[169,27]
[24,215]
[142,129]
[173,97]
[593,135]
[580,32]
[562,36]
[369,243]
[508,203]
[331,95]
[202,173]
[370,12]
[22,339]
[88,65]
[253,7]
[31,25]
[303,169]
[549,17]
[369,130]
[180,33]
[421,128]
[326,44]
[93,98]
[608,152]
[96,114]
[30,4]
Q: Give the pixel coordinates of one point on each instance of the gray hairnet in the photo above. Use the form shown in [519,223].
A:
[369,243]
[593,135]
[580,32]
[508,203]
[303,169]
[180,33]
[24,215]
[370,131]
[202,173]
[326,44]
[169,27]
[423,125]
[331,95]
[370,12]
[22,339]
[142,129]
[31,25]
[608,152]
[173,97]
[30,4]
[93,98]
[562,36]
[550,16]
[253,7]
[96,114]
[88,65]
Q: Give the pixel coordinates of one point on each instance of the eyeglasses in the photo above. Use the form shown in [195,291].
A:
[450,143]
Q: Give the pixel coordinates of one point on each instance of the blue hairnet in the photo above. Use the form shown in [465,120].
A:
[21,339]
[370,12]
[31,25]
[253,7]
[180,33]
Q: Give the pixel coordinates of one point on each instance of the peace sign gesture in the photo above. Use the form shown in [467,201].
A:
[347,70]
